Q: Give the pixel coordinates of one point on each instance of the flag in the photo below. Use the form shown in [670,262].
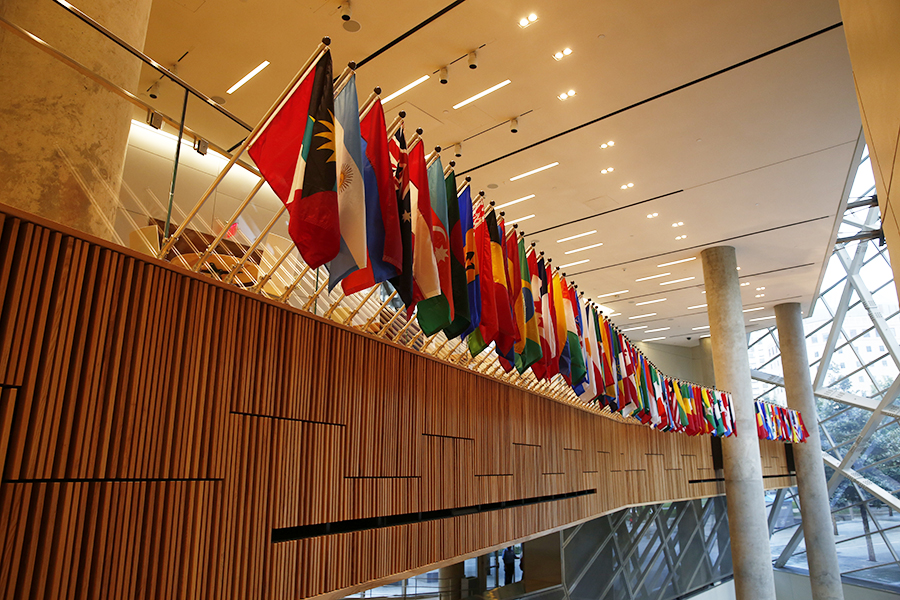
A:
[592,355]
[489,325]
[610,389]
[426,278]
[295,152]
[436,312]
[558,306]
[548,363]
[573,334]
[531,340]
[461,309]
[471,263]
[506,334]
[403,282]
[514,280]
[383,236]
[350,186]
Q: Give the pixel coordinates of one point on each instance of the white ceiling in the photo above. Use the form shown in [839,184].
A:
[755,157]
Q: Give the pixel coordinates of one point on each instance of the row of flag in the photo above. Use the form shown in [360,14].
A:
[775,422]
[372,207]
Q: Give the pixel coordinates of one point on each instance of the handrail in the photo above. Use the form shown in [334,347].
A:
[149,61]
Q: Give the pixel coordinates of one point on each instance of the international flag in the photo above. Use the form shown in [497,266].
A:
[350,186]
[295,152]
[607,343]
[558,306]
[573,334]
[514,279]
[461,309]
[592,355]
[404,281]
[626,367]
[489,325]
[531,344]
[471,263]
[506,335]
[383,235]
[436,312]
[426,277]
[549,361]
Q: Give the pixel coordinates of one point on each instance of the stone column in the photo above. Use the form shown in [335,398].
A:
[706,370]
[750,551]
[449,579]
[47,108]
[815,508]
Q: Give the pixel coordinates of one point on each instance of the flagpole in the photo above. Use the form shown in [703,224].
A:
[265,278]
[415,139]
[312,298]
[334,305]
[287,293]
[218,239]
[449,169]
[234,270]
[369,103]
[359,306]
[341,82]
[387,325]
[378,312]
[466,183]
[429,160]
[395,125]
[311,62]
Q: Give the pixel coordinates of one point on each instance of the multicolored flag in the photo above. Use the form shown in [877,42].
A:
[383,236]
[436,313]
[530,352]
[404,281]
[426,278]
[350,186]
[295,152]
[461,309]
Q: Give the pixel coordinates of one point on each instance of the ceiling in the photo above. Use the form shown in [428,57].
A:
[755,156]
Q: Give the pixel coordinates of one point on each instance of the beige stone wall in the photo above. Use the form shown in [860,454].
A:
[64,136]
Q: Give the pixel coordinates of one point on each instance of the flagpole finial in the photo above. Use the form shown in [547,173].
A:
[482,194]
[533,244]
[564,273]
[419,130]
[502,213]
[515,225]
[352,65]
[437,149]
[452,163]
[378,90]
[542,252]
[326,40]
[402,114]
[468,179]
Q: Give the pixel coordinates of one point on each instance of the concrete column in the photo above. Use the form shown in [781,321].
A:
[47,107]
[815,508]
[706,370]
[450,579]
[750,551]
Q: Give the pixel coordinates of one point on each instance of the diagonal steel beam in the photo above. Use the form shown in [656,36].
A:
[866,484]
[840,396]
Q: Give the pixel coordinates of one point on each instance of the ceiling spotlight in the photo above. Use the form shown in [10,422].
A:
[631,185]
[759,289]
[532,18]
[605,171]
[567,51]
[443,75]
[523,22]
[558,56]
[346,10]
[473,59]
[514,125]
[154,90]
[457,149]
[652,215]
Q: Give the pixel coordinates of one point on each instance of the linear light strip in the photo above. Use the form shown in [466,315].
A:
[697,306]
[651,301]
[677,280]
[653,339]
[575,237]
[538,170]
[699,328]
[248,77]
[763,318]
[519,220]
[585,248]
[405,88]
[482,94]
[642,316]
[613,293]
[634,328]
[579,262]
[660,329]
[515,202]
[652,277]
[754,309]
[676,262]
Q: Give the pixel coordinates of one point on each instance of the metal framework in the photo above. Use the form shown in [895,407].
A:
[854,365]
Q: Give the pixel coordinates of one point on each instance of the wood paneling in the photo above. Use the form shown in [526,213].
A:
[156,427]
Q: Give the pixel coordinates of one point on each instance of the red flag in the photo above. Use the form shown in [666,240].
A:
[295,152]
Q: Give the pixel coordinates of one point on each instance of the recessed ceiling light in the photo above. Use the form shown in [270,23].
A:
[656,339]
[532,17]
[652,215]
[763,318]
[678,224]
[562,54]
[607,170]
[585,248]
[754,309]
[631,185]
[655,330]
[699,328]
[697,306]
[759,289]
[703,292]
[519,220]
[760,295]
[652,277]
[567,51]
[482,94]
[579,262]
[680,237]
[642,316]
[405,88]
[746,283]
[651,301]
[634,328]
[611,143]
[677,280]
[565,95]
[248,77]
[526,21]
[573,237]
[624,187]
[538,170]
[529,197]
[738,268]
[613,293]
[676,262]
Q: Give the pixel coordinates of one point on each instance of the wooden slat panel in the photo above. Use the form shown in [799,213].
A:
[156,427]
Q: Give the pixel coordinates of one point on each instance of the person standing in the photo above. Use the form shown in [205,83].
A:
[509,565]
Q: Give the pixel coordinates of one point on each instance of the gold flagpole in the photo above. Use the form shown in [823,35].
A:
[237,213]
[387,325]
[378,312]
[301,75]
[287,293]
[265,278]
[344,78]
[369,103]
[334,305]
[359,306]
[431,158]
[413,341]
[395,125]
[467,183]
[312,298]
[234,270]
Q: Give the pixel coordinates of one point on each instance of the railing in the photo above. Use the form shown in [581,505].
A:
[239,236]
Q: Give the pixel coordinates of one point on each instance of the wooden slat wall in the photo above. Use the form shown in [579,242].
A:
[155,427]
